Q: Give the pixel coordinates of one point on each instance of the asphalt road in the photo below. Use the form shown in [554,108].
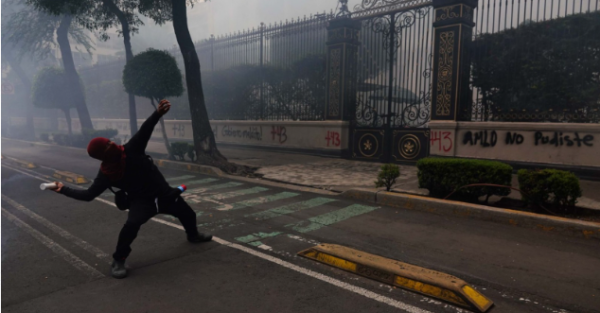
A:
[56,251]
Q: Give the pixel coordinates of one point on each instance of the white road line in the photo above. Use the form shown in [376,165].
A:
[25,173]
[349,287]
[56,248]
[63,233]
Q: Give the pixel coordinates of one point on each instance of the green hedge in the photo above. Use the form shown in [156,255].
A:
[191,152]
[546,66]
[179,149]
[45,137]
[441,176]
[109,133]
[548,186]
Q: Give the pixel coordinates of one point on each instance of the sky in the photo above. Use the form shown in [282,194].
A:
[221,17]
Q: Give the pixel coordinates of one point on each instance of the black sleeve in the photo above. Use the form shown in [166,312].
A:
[99,185]
[139,141]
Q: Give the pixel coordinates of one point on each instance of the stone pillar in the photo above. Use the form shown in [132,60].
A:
[453,29]
[342,54]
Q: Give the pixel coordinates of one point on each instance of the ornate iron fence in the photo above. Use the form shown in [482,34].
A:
[394,63]
[536,61]
[273,72]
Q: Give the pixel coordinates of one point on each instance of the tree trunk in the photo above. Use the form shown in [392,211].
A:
[204,139]
[16,66]
[62,36]
[164,133]
[68,118]
[128,56]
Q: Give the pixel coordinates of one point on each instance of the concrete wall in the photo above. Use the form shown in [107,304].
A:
[329,137]
[551,143]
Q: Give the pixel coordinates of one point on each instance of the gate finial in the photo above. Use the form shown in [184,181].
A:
[343,12]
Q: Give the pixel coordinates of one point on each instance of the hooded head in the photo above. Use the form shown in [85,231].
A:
[111,155]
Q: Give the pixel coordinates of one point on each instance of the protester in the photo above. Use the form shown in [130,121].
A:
[128,168]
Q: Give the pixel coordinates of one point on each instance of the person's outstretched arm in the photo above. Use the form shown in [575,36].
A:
[139,141]
[97,188]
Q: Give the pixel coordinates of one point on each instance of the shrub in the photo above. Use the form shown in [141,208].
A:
[61,139]
[191,152]
[78,141]
[558,188]
[109,133]
[387,176]
[179,149]
[45,137]
[18,132]
[445,175]
[553,75]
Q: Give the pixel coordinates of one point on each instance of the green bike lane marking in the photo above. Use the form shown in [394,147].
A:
[198,181]
[256,201]
[188,183]
[253,239]
[313,223]
[282,210]
[290,208]
[215,198]
[173,179]
[236,193]
[330,218]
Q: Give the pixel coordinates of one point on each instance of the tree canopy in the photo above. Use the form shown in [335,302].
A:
[31,32]
[153,74]
[93,15]
[51,89]
[549,66]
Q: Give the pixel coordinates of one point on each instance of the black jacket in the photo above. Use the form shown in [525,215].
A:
[142,180]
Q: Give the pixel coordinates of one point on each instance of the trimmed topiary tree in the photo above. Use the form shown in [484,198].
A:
[154,74]
[51,89]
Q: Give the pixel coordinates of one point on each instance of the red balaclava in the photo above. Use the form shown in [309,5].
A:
[113,159]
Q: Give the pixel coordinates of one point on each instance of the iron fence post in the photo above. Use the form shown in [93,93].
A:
[212,53]
[342,53]
[391,58]
[453,28]
[262,81]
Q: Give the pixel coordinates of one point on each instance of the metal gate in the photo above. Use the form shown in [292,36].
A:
[393,102]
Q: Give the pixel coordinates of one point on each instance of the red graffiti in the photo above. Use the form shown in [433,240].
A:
[443,139]
[279,132]
[333,139]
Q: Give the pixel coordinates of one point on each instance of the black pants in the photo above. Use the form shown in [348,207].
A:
[141,212]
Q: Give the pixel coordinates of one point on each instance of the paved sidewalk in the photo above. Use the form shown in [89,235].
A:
[328,173]
[339,175]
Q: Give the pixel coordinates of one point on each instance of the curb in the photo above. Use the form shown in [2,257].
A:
[406,276]
[183,166]
[588,230]
[213,171]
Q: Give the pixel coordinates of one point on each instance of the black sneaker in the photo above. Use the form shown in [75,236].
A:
[200,237]
[118,270]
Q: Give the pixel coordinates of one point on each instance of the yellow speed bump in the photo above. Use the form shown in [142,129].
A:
[18,162]
[70,177]
[410,277]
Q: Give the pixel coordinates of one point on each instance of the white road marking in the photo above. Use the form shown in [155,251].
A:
[349,287]
[63,233]
[56,248]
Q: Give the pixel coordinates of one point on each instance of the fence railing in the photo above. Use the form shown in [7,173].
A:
[394,68]
[273,72]
[532,60]
[536,61]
